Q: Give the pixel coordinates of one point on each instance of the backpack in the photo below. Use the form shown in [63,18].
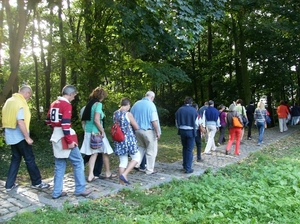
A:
[116,133]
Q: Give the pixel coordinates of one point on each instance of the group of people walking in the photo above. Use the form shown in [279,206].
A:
[192,123]
[140,126]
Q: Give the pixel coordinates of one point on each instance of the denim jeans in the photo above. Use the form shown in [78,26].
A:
[19,150]
[261,130]
[60,168]
[188,142]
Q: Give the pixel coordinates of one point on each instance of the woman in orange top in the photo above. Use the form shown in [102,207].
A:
[282,112]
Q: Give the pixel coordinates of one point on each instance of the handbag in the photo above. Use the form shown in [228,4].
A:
[96,140]
[116,131]
[236,122]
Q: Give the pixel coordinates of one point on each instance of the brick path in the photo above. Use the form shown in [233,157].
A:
[24,198]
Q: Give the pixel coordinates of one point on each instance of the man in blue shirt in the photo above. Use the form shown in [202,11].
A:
[186,118]
[212,123]
[145,113]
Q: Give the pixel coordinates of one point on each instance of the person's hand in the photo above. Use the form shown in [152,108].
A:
[157,136]
[72,145]
[29,140]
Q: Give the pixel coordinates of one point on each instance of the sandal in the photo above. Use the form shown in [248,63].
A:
[111,176]
[94,178]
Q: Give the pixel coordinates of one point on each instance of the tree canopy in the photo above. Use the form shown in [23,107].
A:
[219,50]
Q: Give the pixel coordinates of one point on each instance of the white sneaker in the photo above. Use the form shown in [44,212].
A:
[13,187]
[42,185]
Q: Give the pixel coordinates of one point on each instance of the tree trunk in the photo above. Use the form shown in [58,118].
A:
[37,102]
[16,28]
[209,59]
[246,94]
[63,42]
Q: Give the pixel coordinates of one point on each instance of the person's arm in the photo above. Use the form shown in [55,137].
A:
[24,131]
[155,125]
[133,121]
[98,123]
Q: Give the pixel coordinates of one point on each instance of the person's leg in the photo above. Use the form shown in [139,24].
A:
[184,150]
[15,161]
[143,163]
[242,133]
[134,160]
[59,172]
[92,161]
[198,145]
[122,166]
[285,128]
[209,140]
[105,158]
[222,133]
[237,133]
[78,166]
[33,170]
[140,137]
[249,129]
[231,138]
[98,165]
[280,120]
[189,153]
[213,133]
[86,159]
[151,151]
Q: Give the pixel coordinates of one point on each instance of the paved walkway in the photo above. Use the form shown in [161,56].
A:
[24,198]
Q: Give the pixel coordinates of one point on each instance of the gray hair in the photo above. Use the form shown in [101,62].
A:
[150,94]
[25,88]
[68,90]
[232,107]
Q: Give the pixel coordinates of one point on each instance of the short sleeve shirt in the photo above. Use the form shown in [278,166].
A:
[14,136]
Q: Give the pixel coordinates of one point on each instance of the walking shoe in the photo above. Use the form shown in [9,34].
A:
[190,171]
[226,152]
[13,187]
[258,144]
[63,194]
[249,138]
[84,194]
[142,170]
[42,185]
[218,144]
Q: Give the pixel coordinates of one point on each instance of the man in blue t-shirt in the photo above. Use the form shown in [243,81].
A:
[145,113]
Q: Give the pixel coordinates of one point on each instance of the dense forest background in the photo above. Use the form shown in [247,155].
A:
[207,49]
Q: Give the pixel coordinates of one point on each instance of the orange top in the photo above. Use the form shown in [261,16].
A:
[282,111]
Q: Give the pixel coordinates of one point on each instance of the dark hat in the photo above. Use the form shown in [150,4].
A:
[251,102]
[210,102]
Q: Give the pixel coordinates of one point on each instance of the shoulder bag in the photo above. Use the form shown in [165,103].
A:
[96,141]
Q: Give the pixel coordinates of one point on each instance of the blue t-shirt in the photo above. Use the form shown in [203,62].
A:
[144,112]
[14,136]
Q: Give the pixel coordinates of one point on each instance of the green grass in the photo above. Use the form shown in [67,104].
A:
[264,188]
